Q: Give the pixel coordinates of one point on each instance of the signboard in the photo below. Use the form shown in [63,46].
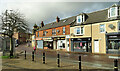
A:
[47,38]
[67,36]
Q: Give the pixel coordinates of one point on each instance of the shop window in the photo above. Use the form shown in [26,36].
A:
[79,31]
[102,28]
[80,45]
[63,30]
[53,31]
[115,45]
[80,18]
[113,12]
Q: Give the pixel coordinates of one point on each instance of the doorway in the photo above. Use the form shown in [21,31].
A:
[96,46]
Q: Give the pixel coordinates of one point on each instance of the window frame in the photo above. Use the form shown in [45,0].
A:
[100,28]
[82,17]
[53,31]
[116,12]
[44,33]
[38,34]
[76,28]
[63,30]
[118,27]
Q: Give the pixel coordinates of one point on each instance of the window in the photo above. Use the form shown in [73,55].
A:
[63,30]
[38,34]
[79,31]
[113,12]
[53,31]
[44,33]
[118,26]
[113,45]
[102,28]
[80,19]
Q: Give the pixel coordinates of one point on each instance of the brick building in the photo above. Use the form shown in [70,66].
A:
[96,32]
[55,35]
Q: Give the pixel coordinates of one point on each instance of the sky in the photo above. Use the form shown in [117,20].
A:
[36,11]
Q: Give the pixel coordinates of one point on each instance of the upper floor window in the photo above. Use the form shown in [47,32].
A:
[38,34]
[44,33]
[79,31]
[118,26]
[53,31]
[80,18]
[63,30]
[102,28]
[113,12]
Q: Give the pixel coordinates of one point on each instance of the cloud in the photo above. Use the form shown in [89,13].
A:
[36,11]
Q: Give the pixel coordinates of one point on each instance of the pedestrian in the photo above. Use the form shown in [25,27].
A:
[34,49]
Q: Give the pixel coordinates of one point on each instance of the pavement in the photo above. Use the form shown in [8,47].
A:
[68,61]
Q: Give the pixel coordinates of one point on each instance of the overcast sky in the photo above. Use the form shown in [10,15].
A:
[36,11]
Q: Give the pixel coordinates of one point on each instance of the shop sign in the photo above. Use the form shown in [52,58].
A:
[79,39]
[67,36]
[62,38]
[47,38]
[38,38]
[114,37]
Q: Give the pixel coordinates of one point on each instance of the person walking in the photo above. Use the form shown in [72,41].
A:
[34,49]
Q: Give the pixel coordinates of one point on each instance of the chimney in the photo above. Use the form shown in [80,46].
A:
[42,24]
[57,19]
[35,26]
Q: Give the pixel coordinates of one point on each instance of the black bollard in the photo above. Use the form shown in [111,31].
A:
[25,54]
[80,63]
[58,60]
[32,55]
[115,65]
[43,58]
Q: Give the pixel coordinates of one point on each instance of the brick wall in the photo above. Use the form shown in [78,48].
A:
[49,31]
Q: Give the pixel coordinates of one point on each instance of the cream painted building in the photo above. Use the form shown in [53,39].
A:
[97,32]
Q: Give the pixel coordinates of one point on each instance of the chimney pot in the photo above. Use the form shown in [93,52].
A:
[42,24]
[57,19]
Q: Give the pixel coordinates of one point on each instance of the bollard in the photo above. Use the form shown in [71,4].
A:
[58,60]
[25,54]
[115,65]
[32,55]
[80,63]
[43,58]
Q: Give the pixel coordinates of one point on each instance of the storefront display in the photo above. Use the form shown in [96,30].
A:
[81,45]
[113,43]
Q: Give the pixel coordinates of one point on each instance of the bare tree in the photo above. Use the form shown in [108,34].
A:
[10,21]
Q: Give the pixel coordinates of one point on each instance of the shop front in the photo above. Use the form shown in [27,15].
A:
[61,43]
[39,42]
[113,43]
[48,43]
[81,45]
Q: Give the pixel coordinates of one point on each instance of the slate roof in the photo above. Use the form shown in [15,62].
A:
[90,18]
[62,22]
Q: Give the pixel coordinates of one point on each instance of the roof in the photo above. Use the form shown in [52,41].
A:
[97,16]
[90,18]
[62,22]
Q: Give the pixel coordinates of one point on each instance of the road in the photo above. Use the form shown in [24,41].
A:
[89,60]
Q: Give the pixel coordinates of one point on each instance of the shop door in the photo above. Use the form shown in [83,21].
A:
[96,46]
[40,44]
